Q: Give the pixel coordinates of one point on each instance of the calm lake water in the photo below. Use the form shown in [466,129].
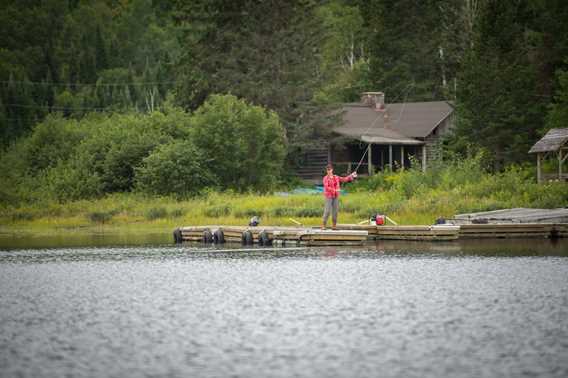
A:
[111,308]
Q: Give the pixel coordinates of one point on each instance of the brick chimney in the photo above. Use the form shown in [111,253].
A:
[374,100]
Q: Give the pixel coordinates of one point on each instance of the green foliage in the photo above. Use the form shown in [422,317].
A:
[176,168]
[246,143]
[557,116]
[100,217]
[51,141]
[76,57]
[506,77]
[68,159]
[156,213]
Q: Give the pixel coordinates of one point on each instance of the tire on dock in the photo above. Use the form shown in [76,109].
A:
[218,236]
[207,237]
[247,238]
[178,238]
[264,239]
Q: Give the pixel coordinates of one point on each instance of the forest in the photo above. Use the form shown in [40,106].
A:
[170,97]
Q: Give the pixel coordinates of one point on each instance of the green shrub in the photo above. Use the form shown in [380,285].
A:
[248,213]
[308,212]
[177,213]
[100,216]
[217,211]
[22,215]
[246,143]
[156,213]
[177,168]
[51,141]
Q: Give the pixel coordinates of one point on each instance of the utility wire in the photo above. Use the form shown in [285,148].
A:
[116,84]
[57,107]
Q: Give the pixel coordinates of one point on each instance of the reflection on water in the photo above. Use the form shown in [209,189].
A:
[387,309]
[78,239]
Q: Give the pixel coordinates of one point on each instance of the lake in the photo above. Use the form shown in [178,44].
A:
[143,307]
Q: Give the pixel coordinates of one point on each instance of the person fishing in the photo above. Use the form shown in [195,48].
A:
[331,188]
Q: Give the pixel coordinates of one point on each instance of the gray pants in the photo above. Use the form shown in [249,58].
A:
[331,206]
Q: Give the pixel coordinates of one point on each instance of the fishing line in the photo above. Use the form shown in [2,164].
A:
[405,92]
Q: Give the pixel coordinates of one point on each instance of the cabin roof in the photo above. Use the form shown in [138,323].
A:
[398,123]
[552,141]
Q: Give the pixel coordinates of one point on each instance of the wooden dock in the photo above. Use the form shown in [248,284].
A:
[350,234]
[516,215]
[270,235]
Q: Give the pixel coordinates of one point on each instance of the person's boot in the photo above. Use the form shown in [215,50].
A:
[334,227]
[323,226]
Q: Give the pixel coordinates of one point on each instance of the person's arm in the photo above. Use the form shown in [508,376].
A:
[348,178]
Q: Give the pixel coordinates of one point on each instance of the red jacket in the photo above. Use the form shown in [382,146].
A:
[331,185]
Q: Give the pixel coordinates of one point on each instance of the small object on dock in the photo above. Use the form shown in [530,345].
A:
[295,221]
[390,220]
[377,220]
[254,221]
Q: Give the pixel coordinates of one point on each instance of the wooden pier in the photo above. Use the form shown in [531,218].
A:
[351,234]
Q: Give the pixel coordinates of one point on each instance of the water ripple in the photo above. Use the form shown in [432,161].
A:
[178,311]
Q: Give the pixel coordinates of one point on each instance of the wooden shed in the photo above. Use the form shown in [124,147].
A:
[392,134]
[553,145]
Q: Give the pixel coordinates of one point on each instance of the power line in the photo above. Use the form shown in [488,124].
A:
[116,84]
[57,107]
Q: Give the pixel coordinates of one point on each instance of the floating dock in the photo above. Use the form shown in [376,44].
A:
[514,216]
[351,234]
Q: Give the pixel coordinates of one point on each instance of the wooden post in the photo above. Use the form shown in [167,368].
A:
[370,159]
[560,164]
[402,157]
[390,157]
[423,158]
[538,174]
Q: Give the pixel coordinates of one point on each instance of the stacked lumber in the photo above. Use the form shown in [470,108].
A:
[512,230]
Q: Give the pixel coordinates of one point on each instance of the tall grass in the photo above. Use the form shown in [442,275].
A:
[409,197]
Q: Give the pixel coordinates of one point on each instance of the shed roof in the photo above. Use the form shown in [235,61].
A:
[552,141]
[404,121]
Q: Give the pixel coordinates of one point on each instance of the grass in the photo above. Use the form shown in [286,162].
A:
[408,197]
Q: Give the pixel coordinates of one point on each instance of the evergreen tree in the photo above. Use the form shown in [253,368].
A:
[496,95]
[266,52]
[405,48]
